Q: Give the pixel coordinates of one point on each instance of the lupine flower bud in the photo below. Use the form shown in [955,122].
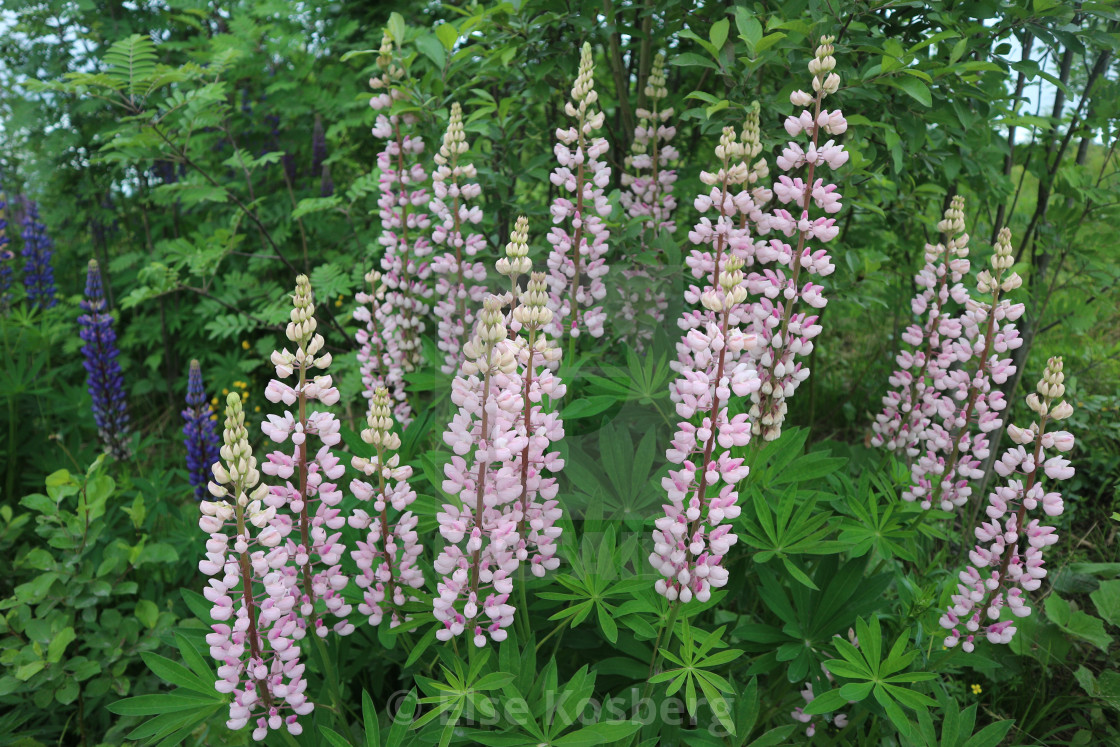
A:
[1011,541]
[387,557]
[577,261]
[374,361]
[38,274]
[458,280]
[199,434]
[516,262]
[103,371]
[253,591]
[650,195]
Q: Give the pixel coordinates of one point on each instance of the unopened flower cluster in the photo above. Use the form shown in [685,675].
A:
[648,177]
[38,273]
[387,556]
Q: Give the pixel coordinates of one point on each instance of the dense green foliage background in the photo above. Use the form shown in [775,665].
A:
[190,174]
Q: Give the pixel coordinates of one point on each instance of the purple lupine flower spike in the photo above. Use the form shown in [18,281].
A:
[103,370]
[6,256]
[38,275]
[199,433]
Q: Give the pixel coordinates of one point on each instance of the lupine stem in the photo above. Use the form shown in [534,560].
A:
[483,439]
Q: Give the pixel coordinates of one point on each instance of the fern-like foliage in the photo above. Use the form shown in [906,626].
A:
[131,64]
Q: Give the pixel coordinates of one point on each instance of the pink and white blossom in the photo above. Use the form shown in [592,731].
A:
[458,280]
[1007,563]
[258,629]
[577,262]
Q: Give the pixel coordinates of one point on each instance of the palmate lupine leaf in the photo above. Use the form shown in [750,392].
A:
[594,581]
[695,660]
[873,675]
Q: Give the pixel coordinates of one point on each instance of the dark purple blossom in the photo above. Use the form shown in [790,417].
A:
[6,256]
[103,370]
[199,433]
[38,275]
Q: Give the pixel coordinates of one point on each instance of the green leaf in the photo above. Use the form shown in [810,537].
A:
[686,59]
[894,713]
[357,53]
[175,673]
[333,737]
[604,732]
[163,725]
[396,28]
[915,88]
[147,613]
[24,672]
[131,61]
[370,722]
[847,669]
[587,406]
[720,708]
[1107,601]
[1077,623]
[433,49]
[750,30]
[991,735]
[309,205]
[856,691]
[718,33]
[494,681]
[151,705]
[826,703]
[58,644]
[776,736]
[447,35]
[402,720]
